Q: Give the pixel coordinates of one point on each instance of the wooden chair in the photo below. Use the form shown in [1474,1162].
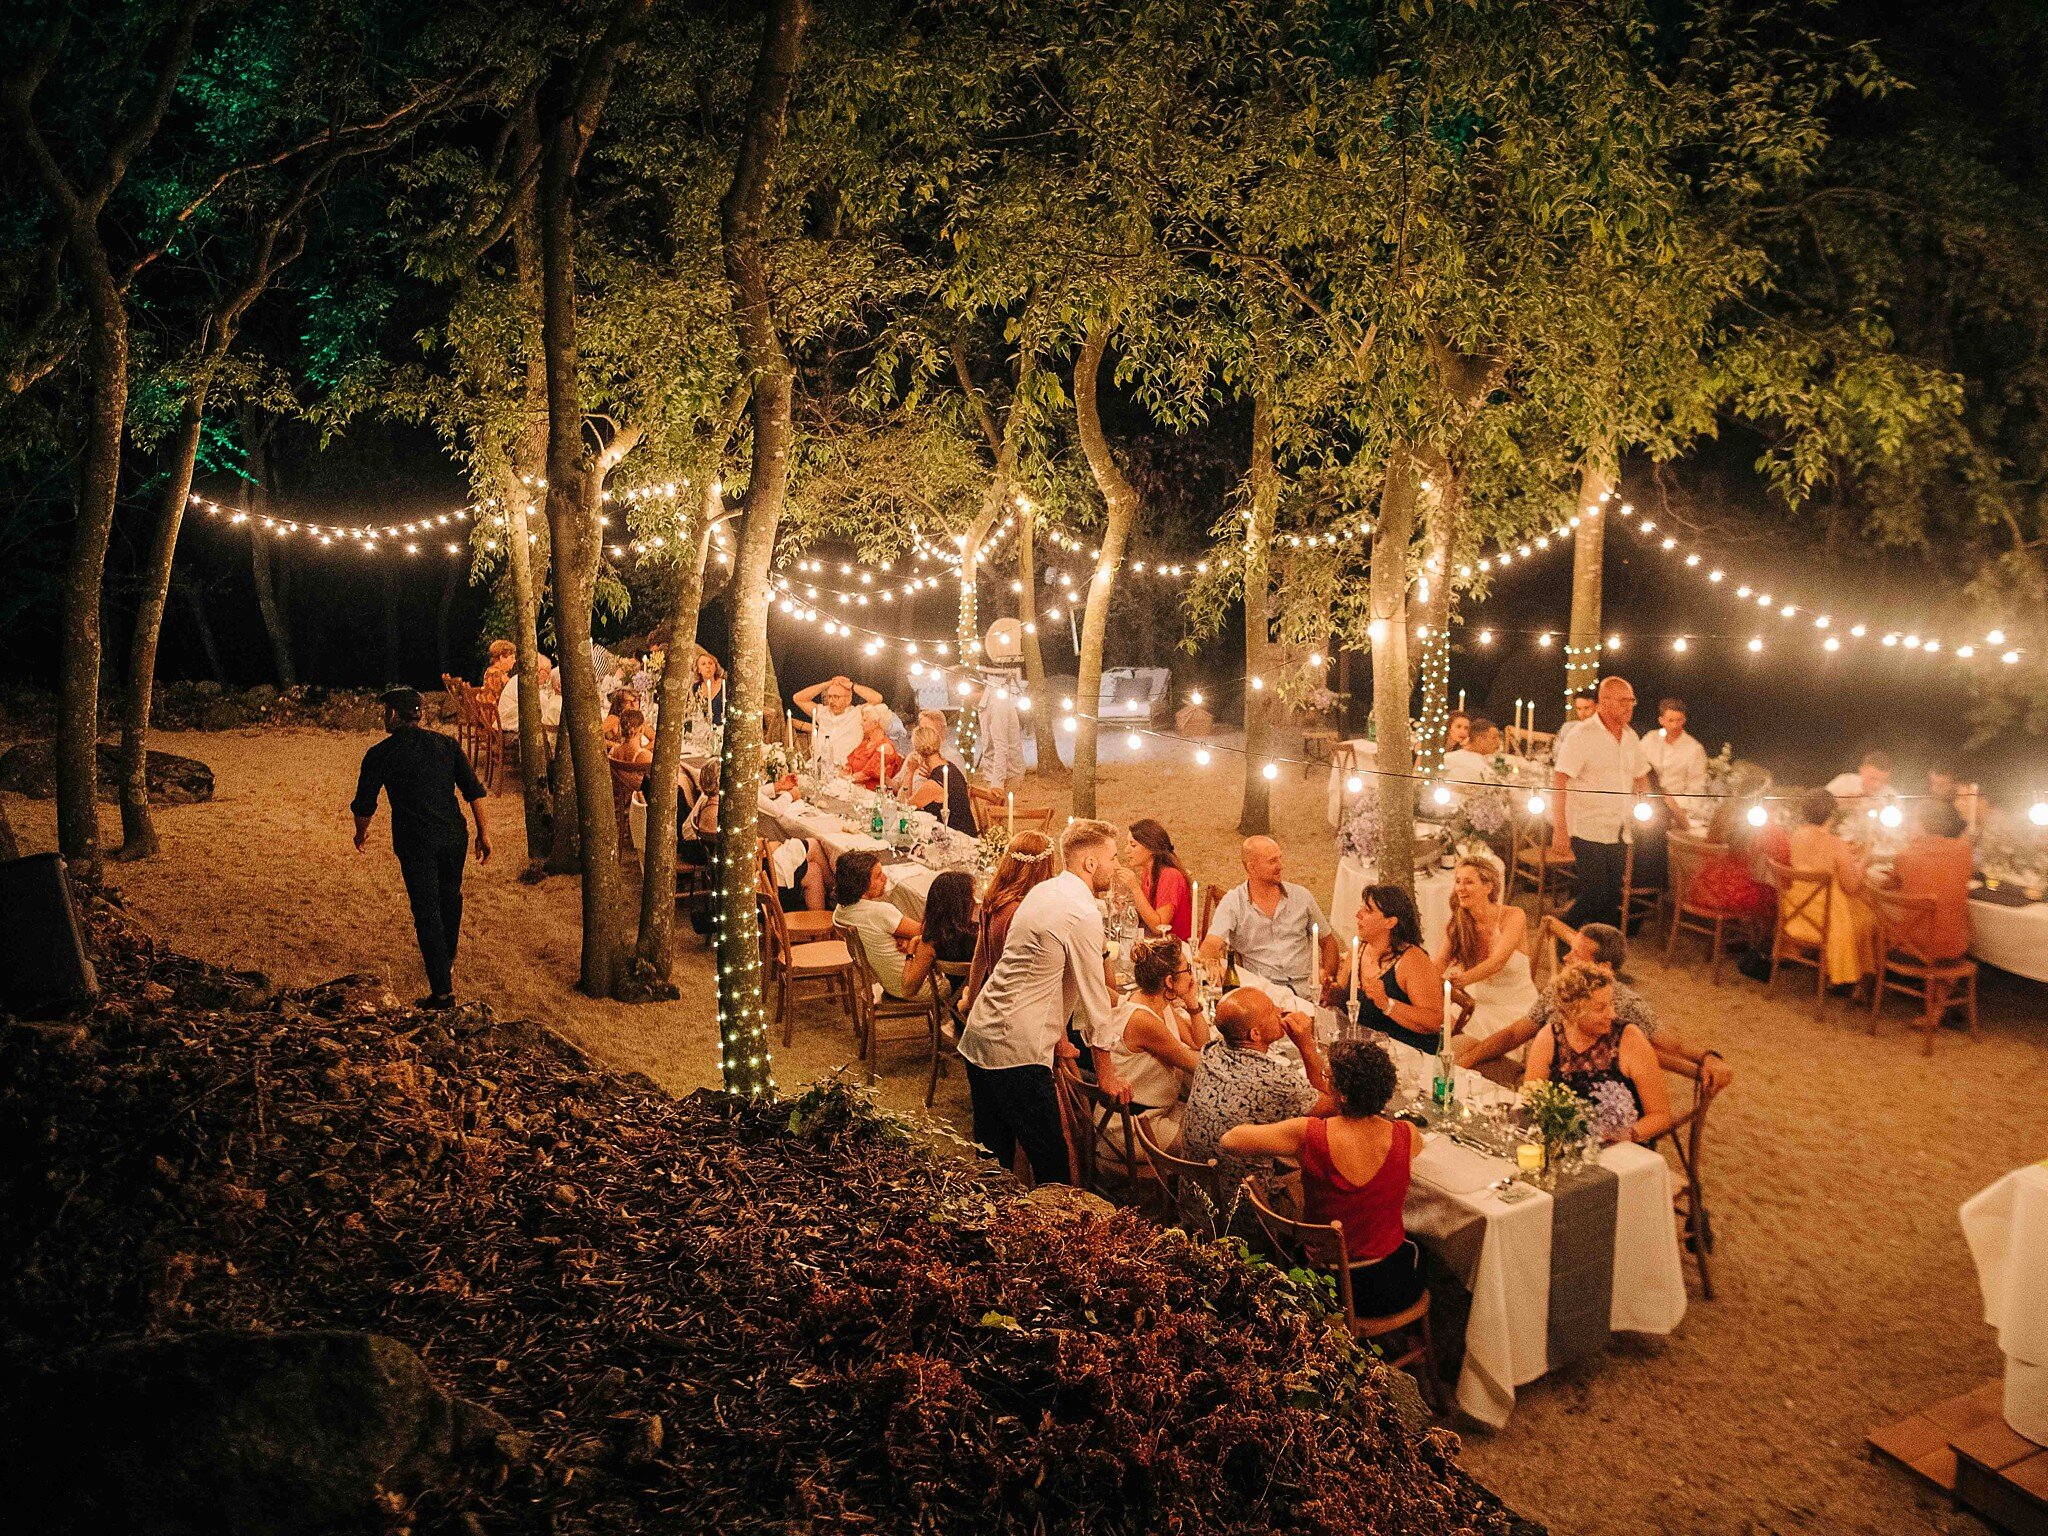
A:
[1691,913]
[1191,1192]
[1939,986]
[626,781]
[1321,1245]
[1520,741]
[875,1013]
[1102,1137]
[953,992]
[1318,746]
[805,927]
[1688,1138]
[1811,898]
[1032,818]
[1537,867]
[826,967]
[1641,905]
[1212,898]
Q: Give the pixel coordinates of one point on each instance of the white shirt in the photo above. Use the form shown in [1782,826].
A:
[550,704]
[1465,768]
[1847,786]
[1000,754]
[1592,759]
[834,733]
[1681,765]
[1051,966]
[876,922]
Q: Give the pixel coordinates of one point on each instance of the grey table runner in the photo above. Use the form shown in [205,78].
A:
[1582,1264]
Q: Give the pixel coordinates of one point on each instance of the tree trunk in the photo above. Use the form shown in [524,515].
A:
[256,447]
[188,589]
[565,845]
[1394,857]
[535,792]
[138,830]
[1582,646]
[9,847]
[1121,504]
[742,1010]
[1043,727]
[1256,817]
[655,952]
[573,501]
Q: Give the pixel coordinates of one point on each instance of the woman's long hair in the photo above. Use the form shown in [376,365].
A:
[1392,901]
[1157,841]
[1027,861]
[949,909]
[1468,944]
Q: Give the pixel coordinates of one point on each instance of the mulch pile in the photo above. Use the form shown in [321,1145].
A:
[705,1315]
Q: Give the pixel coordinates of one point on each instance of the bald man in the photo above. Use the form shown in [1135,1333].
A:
[1269,923]
[1601,768]
[1240,1080]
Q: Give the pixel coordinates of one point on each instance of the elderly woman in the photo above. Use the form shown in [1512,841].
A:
[1582,1048]
[1851,925]
[874,758]
[1161,1029]
[1354,1169]
[1401,990]
[936,782]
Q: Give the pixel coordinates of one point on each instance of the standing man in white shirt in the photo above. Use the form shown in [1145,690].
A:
[999,749]
[1051,970]
[835,718]
[1869,783]
[1680,765]
[1583,705]
[1600,766]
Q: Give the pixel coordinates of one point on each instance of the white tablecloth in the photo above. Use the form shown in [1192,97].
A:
[785,817]
[1432,901]
[2006,1226]
[2012,938]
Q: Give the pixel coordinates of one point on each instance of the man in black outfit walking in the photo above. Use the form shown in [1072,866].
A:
[423,772]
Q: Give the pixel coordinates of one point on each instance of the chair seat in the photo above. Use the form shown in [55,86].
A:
[1372,1327]
[1540,856]
[804,925]
[824,955]
[1940,970]
[887,1007]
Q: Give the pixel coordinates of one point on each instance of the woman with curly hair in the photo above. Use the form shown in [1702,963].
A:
[1160,1027]
[1584,1049]
[1354,1170]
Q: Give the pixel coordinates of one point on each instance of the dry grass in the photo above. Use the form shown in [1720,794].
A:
[1845,1294]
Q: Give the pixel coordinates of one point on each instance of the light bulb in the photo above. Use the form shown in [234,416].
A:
[1024,703]
[2010,657]
[1258,685]
[1535,805]
[1354,784]
[1996,637]
[1486,637]
[1270,772]
[1678,644]
[1131,740]
[1614,642]
[1544,640]
[1201,757]
[1756,642]
[2037,813]
[1067,704]
[1315,658]
[1376,631]
[1758,815]
[1195,697]
[1831,644]
[965,688]
[1441,795]
[1643,811]
[1068,725]
[1891,816]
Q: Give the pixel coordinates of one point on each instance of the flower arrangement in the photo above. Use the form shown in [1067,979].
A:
[775,762]
[1614,1111]
[1359,838]
[990,847]
[1562,1121]
[1481,819]
[1721,770]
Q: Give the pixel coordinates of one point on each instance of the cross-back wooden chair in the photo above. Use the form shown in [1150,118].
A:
[1520,741]
[1212,898]
[1191,1193]
[804,927]
[1803,897]
[626,781]
[824,968]
[1688,1138]
[953,975]
[1690,912]
[1322,1246]
[1102,1137]
[876,1011]
[1903,966]
[1536,867]
[1641,905]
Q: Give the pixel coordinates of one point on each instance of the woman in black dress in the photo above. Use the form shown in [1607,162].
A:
[1401,990]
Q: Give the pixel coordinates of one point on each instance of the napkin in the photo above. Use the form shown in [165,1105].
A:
[1457,1170]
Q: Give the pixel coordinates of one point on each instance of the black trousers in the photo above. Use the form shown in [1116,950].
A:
[1598,899]
[1018,1106]
[433,885]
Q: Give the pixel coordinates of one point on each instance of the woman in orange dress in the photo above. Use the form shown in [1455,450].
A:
[874,760]
[1851,925]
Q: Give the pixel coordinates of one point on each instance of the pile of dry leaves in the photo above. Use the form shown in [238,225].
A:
[705,1315]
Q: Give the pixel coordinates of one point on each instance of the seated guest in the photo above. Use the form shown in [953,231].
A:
[1354,1169]
[1935,865]
[707,687]
[1584,1045]
[550,693]
[1457,731]
[1675,754]
[1472,764]
[907,774]
[1401,991]
[1027,862]
[622,699]
[1813,849]
[936,783]
[1945,784]
[1601,946]
[1729,880]
[498,665]
[894,944]
[949,925]
[1482,956]
[1241,1081]
[1154,881]
[836,727]
[1269,923]
[633,744]
[874,757]
[1864,787]
[1159,1030]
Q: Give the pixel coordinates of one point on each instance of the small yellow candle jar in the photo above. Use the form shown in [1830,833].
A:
[1529,1157]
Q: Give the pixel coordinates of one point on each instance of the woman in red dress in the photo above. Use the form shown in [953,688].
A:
[1730,880]
[874,760]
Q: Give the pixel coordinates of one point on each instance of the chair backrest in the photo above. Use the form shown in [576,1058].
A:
[1523,742]
[1900,918]
[1688,1131]
[1075,1124]
[1689,855]
[774,936]
[1308,1245]
[1033,818]
[865,980]
[1212,898]
[1182,1177]
[955,973]
[1806,895]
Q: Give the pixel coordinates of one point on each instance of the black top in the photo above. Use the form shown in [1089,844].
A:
[714,702]
[958,810]
[954,949]
[423,772]
[1371,1016]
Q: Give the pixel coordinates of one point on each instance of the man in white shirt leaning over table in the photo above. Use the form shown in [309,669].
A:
[1051,969]
[1600,767]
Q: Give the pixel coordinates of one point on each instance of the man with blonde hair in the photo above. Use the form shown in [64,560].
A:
[1051,970]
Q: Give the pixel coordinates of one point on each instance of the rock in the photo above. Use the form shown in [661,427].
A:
[31,769]
[223,714]
[253,1433]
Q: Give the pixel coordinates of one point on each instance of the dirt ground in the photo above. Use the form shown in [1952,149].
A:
[1844,1294]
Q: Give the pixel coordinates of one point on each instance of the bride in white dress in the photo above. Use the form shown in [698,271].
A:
[1482,953]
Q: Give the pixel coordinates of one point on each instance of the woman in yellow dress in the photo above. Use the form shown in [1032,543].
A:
[1851,924]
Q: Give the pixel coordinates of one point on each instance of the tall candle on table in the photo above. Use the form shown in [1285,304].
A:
[1461,698]
[1315,959]
[1011,825]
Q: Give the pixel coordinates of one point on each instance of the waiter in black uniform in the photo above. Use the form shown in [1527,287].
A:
[424,772]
